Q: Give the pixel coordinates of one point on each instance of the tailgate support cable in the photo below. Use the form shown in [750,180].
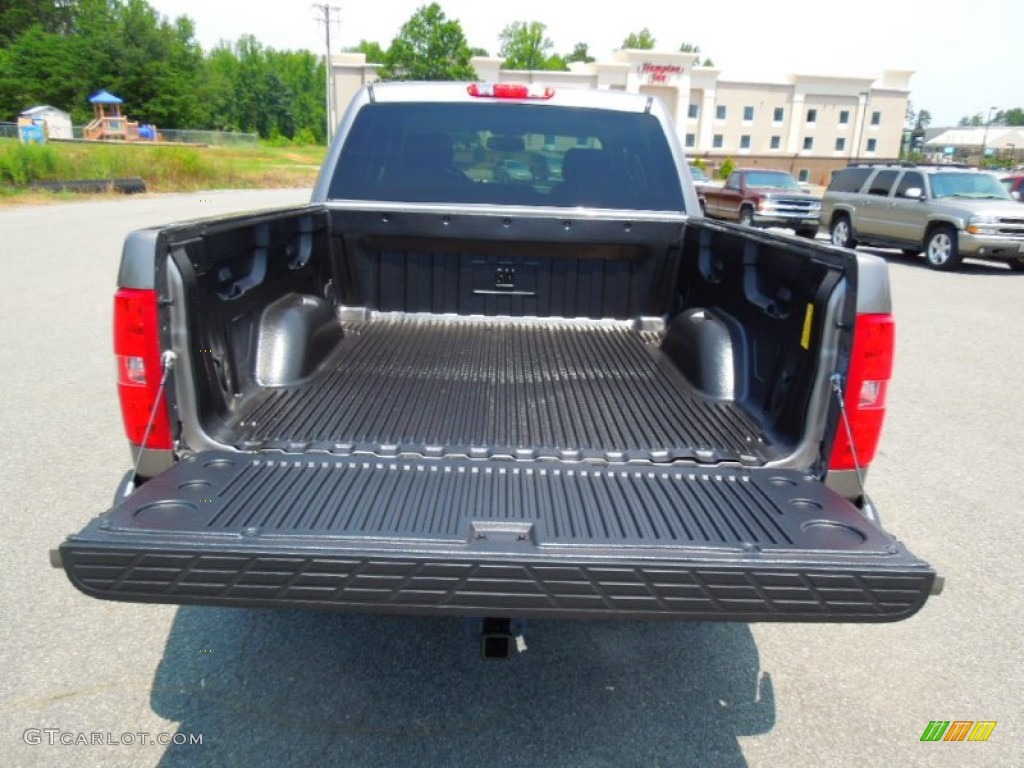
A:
[837,388]
[167,361]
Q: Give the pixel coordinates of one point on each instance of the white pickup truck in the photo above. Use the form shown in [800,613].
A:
[441,390]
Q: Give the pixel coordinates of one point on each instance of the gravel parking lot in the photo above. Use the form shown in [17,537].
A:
[287,688]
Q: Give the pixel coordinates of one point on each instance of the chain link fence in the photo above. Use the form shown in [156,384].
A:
[217,138]
[170,135]
[214,138]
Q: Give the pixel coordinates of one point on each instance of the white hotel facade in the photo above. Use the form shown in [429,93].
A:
[807,124]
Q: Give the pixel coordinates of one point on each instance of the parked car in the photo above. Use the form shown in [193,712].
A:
[947,212]
[758,197]
[512,171]
[1015,186]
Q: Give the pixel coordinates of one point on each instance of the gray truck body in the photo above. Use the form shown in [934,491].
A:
[518,407]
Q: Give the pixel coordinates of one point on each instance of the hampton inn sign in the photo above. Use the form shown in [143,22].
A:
[659,73]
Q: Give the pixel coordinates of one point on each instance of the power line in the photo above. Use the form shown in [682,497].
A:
[324,18]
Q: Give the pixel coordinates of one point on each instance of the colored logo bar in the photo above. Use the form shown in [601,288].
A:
[958,730]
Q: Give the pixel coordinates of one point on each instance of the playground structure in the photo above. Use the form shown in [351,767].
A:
[109,124]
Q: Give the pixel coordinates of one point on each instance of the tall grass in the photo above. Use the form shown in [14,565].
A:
[165,168]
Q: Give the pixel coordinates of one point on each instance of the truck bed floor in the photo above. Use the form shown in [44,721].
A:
[563,389]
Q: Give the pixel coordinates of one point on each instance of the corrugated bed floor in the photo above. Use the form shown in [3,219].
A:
[481,388]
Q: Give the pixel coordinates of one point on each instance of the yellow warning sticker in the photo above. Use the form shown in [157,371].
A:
[805,340]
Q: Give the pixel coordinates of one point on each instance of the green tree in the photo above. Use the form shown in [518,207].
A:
[17,16]
[302,76]
[642,40]
[373,52]
[727,168]
[62,51]
[524,45]
[924,119]
[689,48]
[156,67]
[429,47]
[708,63]
[1011,117]
[580,52]
[217,89]
[556,63]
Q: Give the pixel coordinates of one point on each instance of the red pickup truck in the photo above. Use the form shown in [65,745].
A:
[756,197]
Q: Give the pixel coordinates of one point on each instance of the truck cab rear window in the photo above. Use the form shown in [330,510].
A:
[514,154]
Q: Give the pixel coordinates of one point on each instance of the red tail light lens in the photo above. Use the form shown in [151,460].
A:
[137,347]
[510,91]
[866,390]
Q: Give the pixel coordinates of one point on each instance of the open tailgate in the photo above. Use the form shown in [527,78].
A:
[496,538]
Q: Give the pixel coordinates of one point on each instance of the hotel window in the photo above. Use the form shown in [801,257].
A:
[844,117]
[840,145]
[716,141]
[872,145]
[748,113]
[776,142]
[812,115]
[876,118]
[720,112]
[808,142]
[691,140]
[778,114]
[804,175]
[693,111]
[745,142]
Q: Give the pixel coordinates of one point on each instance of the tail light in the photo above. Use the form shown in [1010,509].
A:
[510,90]
[866,390]
[137,347]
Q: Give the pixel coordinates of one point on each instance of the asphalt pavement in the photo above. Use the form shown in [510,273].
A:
[264,688]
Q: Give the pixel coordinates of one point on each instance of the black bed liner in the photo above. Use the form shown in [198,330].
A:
[516,538]
[487,387]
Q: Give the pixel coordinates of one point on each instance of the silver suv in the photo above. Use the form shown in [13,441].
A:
[948,212]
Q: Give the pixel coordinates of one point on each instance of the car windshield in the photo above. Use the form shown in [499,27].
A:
[977,186]
[773,179]
[698,173]
[507,153]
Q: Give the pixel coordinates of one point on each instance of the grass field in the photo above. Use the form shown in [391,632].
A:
[165,168]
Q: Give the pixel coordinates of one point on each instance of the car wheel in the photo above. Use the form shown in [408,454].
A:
[1017,265]
[841,233]
[747,216]
[941,249]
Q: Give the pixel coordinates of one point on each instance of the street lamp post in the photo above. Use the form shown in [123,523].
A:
[984,140]
[863,114]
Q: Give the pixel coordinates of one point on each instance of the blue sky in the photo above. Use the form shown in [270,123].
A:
[967,57]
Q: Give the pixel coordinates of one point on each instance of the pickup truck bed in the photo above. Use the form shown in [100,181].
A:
[489,387]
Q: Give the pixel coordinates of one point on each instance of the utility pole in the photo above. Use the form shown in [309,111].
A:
[324,18]
[984,141]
